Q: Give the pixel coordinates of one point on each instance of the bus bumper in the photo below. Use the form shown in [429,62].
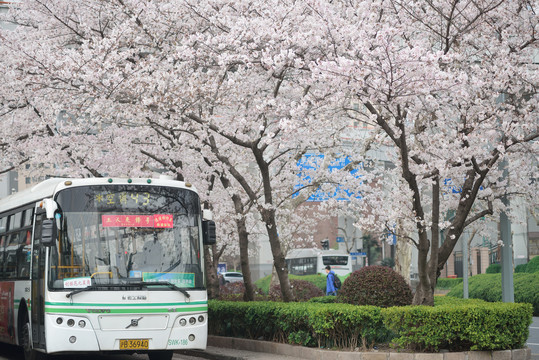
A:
[97,333]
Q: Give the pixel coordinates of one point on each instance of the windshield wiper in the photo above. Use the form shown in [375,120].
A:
[169,284]
[139,284]
[93,287]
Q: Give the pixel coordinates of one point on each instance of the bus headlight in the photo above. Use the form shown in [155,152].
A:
[183,322]
[201,318]
[192,321]
[82,323]
[70,322]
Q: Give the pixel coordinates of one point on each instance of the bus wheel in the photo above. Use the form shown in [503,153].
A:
[160,355]
[29,353]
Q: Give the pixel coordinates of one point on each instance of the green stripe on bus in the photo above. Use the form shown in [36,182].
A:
[123,311]
[125,305]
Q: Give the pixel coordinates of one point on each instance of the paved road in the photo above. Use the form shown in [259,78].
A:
[533,339]
[8,352]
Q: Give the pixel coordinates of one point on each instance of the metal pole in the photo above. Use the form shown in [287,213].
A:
[508,291]
[465,259]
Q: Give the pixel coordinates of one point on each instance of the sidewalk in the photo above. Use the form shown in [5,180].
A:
[224,348]
[215,353]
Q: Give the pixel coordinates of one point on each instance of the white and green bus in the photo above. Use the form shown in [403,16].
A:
[312,261]
[104,265]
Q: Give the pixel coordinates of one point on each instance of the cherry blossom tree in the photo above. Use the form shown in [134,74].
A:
[105,85]
[449,88]
[238,91]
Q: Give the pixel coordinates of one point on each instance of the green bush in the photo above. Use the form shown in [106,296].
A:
[488,287]
[460,326]
[494,269]
[447,283]
[453,324]
[303,290]
[533,265]
[375,285]
[520,268]
[327,325]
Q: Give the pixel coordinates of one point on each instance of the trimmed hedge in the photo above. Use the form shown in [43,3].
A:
[453,324]
[488,287]
[308,324]
[460,327]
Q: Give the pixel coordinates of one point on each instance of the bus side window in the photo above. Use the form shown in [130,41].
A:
[11,255]
[23,254]
[15,221]
[2,251]
[27,217]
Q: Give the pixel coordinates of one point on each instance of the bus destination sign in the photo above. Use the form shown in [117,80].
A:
[152,221]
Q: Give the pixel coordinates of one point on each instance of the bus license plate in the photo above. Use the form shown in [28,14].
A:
[131,344]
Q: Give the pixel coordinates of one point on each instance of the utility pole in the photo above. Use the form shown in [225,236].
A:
[465,259]
[508,290]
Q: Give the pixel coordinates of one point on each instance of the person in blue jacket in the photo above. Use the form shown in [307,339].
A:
[330,283]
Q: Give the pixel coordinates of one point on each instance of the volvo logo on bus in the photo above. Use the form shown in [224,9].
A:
[134,322]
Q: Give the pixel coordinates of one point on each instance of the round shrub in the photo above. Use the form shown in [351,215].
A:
[319,280]
[234,291]
[375,285]
[494,269]
[303,290]
[520,268]
[533,265]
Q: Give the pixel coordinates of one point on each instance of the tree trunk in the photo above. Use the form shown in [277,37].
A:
[243,237]
[210,265]
[268,216]
[403,256]
[278,257]
[423,293]
[248,295]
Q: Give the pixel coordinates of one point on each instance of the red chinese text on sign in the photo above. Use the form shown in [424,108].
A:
[155,221]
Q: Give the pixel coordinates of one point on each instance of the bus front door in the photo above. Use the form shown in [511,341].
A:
[38,285]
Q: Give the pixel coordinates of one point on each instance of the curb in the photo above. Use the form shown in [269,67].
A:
[321,354]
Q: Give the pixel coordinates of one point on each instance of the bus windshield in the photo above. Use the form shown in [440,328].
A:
[119,234]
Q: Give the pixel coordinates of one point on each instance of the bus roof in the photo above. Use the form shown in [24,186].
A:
[312,252]
[47,188]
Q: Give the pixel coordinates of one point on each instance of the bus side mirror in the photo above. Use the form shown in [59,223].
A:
[49,232]
[208,232]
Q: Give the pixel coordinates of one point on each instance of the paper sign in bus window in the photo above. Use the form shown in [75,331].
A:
[77,283]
